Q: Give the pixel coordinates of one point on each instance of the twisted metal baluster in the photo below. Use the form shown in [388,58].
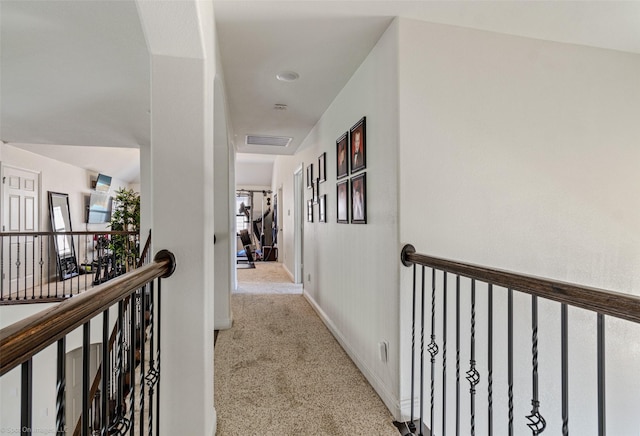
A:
[412,427]
[565,369]
[433,347]
[510,357]
[444,353]
[473,376]
[61,386]
[602,427]
[490,360]
[536,423]
[457,355]
[422,357]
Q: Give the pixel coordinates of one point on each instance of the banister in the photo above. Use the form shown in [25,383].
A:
[23,339]
[619,305]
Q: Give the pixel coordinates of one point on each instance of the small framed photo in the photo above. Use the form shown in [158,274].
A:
[310,176]
[322,176]
[359,199]
[358,141]
[343,201]
[342,153]
[310,211]
[323,209]
[316,191]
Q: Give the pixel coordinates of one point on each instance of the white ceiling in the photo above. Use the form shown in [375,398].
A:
[77,72]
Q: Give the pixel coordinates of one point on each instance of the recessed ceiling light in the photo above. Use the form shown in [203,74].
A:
[287,76]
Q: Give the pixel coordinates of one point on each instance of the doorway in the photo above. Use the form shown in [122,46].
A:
[298,224]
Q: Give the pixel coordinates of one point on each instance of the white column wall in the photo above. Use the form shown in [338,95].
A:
[523,155]
[181,37]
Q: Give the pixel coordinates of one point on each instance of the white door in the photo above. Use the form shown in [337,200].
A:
[20,213]
[298,223]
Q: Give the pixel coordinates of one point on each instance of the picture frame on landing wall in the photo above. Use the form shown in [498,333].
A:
[342,208]
[310,211]
[342,156]
[323,209]
[358,141]
[322,173]
[359,199]
[310,176]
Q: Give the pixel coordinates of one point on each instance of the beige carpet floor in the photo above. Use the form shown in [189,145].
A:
[279,371]
[266,278]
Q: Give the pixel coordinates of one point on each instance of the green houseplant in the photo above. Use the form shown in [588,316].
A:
[125,217]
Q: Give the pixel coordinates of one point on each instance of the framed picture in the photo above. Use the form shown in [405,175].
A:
[310,176]
[322,176]
[358,145]
[323,209]
[310,211]
[342,153]
[359,199]
[316,191]
[343,201]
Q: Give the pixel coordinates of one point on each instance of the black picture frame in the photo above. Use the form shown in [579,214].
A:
[322,173]
[323,209]
[358,145]
[342,209]
[316,191]
[342,156]
[310,176]
[359,199]
[310,211]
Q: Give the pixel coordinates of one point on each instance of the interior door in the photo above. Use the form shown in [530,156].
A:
[20,213]
[298,223]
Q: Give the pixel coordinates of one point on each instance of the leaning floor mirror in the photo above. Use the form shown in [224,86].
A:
[63,244]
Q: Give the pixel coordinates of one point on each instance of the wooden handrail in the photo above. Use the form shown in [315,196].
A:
[619,305]
[23,339]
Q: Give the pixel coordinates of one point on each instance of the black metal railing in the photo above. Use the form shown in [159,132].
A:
[51,266]
[128,378]
[435,271]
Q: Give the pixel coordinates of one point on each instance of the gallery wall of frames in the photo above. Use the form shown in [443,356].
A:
[351,185]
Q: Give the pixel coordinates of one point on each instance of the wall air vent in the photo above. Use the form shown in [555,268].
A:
[272,141]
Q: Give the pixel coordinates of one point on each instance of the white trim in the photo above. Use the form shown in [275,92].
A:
[223,324]
[288,272]
[392,403]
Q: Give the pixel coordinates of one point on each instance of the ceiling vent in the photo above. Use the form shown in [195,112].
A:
[272,141]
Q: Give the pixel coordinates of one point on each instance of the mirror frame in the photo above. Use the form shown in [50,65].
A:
[66,261]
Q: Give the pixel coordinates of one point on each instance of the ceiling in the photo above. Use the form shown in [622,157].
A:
[76,73]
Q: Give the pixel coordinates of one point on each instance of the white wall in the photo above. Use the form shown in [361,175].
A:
[524,155]
[353,269]
[61,177]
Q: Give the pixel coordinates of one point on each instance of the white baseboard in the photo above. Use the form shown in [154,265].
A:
[288,272]
[224,324]
[387,397]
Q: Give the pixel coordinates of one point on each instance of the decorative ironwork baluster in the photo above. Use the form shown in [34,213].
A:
[444,353]
[422,355]
[457,355]
[61,386]
[18,270]
[412,426]
[536,423]
[473,376]
[510,358]
[33,266]
[143,317]
[26,398]
[433,347]
[2,273]
[490,360]
[159,325]
[602,411]
[49,245]
[41,263]
[152,375]
[132,362]
[564,321]
[86,382]
[104,423]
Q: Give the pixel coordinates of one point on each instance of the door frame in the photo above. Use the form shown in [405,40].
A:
[298,224]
